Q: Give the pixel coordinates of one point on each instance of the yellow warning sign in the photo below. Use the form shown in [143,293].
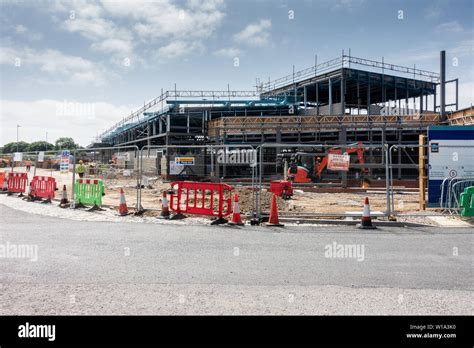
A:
[186,161]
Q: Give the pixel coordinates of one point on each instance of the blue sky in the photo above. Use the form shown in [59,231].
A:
[113,55]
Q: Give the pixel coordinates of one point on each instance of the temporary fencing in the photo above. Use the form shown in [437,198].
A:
[333,177]
[32,161]
[234,164]
[322,179]
[451,190]
[43,187]
[405,190]
[211,199]
[112,168]
[442,174]
[17,182]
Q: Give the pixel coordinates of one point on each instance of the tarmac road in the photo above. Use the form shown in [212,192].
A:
[133,268]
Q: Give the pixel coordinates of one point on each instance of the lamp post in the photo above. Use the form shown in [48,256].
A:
[17,130]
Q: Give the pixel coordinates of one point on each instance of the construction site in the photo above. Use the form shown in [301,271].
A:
[353,106]
[321,140]
[213,158]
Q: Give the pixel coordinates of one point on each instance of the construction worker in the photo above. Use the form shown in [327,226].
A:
[81,169]
[317,165]
[28,165]
[91,168]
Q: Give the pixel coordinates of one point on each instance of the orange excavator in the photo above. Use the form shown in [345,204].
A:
[307,167]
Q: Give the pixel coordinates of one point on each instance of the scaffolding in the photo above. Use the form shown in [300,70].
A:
[343,95]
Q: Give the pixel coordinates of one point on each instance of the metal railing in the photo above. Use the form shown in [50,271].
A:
[449,199]
[259,174]
[259,182]
[164,149]
[342,62]
[214,95]
[85,150]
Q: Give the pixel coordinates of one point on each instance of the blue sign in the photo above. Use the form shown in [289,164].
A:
[450,156]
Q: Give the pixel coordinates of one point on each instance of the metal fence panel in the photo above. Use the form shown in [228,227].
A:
[160,165]
[321,187]
[117,167]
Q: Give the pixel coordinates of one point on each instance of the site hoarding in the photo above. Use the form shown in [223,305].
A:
[450,155]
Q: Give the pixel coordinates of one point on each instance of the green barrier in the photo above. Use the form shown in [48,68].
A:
[467,202]
[89,191]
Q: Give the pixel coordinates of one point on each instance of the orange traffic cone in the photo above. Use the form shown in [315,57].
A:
[64,201]
[273,220]
[366,222]
[236,218]
[165,209]
[123,210]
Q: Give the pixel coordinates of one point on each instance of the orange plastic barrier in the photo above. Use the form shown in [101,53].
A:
[17,182]
[281,188]
[43,187]
[2,180]
[212,199]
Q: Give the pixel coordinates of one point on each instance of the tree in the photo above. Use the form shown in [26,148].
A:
[66,144]
[40,146]
[11,147]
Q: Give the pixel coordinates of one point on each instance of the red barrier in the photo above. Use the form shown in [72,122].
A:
[281,188]
[2,180]
[43,187]
[17,182]
[201,198]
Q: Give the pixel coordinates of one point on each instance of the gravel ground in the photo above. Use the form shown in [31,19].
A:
[108,214]
[215,299]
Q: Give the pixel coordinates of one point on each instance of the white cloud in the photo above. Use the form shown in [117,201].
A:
[118,27]
[23,31]
[450,27]
[177,49]
[466,95]
[255,34]
[88,19]
[60,67]
[20,29]
[432,12]
[461,49]
[37,117]
[230,52]
[348,5]
[121,46]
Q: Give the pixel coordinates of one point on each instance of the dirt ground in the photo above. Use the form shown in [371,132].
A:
[302,202]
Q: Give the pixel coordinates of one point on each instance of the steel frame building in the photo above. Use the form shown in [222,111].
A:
[343,100]
[342,93]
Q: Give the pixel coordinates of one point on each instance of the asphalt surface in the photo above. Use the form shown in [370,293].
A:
[132,268]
